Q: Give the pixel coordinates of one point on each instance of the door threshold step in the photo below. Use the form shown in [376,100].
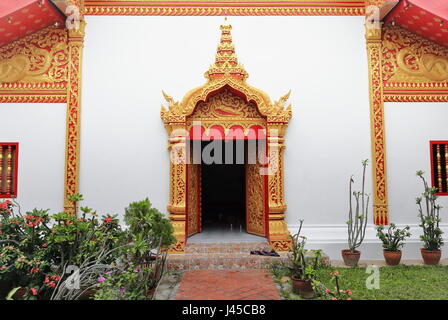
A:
[221,261]
[229,247]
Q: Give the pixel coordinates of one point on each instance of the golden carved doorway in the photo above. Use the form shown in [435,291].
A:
[230,192]
[228,108]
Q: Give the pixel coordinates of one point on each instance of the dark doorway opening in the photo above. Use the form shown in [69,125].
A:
[223,206]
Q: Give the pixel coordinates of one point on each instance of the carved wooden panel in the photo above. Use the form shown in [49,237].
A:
[193,199]
[255,200]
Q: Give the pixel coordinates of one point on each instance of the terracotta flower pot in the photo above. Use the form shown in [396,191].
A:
[351,258]
[150,293]
[5,287]
[392,257]
[303,287]
[431,257]
[19,294]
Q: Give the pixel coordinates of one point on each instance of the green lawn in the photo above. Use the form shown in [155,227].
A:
[400,282]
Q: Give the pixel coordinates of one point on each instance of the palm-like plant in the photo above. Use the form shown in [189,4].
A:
[429,217]
[357,216]
[303,266]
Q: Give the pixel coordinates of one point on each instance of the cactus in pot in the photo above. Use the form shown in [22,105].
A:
[357,220]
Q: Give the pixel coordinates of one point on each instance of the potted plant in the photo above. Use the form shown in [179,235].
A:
[393,241]
[429,222]
[357,221]
[303,268]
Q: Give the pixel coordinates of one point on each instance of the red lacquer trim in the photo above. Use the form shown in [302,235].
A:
[266,194]
[222,8]
[16,170]
[431,143]
[187,175]
[199,191]
[217,132]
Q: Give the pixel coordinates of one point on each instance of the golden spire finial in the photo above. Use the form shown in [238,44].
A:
[226,61]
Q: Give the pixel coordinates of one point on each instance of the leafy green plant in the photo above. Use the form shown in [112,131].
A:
[36,247]
[303,266]
[357,216]
[122,284]
[75,199]
[429,216]
[24,255]
[147,224]
[393,239]
[37,250]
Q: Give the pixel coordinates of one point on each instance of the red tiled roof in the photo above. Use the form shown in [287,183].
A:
[427,18]
[19,18]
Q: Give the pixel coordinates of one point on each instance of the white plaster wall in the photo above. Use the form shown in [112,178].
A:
[39,128]
[129,60]
[409,128]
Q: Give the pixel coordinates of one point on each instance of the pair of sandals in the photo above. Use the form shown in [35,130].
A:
[265,253]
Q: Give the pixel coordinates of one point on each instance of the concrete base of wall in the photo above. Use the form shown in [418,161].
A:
[333,238]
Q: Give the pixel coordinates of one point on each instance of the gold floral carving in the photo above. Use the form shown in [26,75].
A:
[410,58]
[380,204]
[225,105]
[255,200]
[71,176]
[225,8]
[413,68]
[226,99]
[178,111]
[226,109]
[278,230]
[35,68]
[193,198]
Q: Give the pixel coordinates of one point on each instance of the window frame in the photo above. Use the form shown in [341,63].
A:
[431,153]
[12,195]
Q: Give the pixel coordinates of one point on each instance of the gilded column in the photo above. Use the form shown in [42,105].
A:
[373,42]
[279,236]
[75,47]
[177,206]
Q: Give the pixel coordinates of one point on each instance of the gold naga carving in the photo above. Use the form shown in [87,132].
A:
[226,99]
[427,66]
[35,68]
[40,57]
[409,58]
[225,105]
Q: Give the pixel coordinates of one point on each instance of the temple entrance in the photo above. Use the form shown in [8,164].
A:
[224,202]
[223,198]
[227,108]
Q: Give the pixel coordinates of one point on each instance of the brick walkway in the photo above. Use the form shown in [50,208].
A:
[227,285]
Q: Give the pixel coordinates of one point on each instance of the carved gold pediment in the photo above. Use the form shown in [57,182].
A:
[226,75]
[38,58]
[409,58]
